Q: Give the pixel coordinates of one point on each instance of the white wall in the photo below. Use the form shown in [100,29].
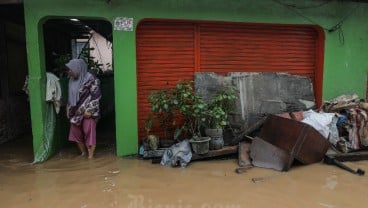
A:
[102,50]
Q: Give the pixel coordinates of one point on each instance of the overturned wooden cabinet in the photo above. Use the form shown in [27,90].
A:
[283,141]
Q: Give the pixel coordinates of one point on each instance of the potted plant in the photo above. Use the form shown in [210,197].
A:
[220,106]
[181,103]
[152,141]
[163,109]
[193,110]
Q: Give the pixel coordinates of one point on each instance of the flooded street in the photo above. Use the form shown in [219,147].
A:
[67,180]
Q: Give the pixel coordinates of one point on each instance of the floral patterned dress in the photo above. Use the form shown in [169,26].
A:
[89,101]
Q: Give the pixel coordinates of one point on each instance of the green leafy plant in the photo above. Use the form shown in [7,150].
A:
[163,108]
[94,66]
[216,118]
[220,106]
[192,107]
[181,103]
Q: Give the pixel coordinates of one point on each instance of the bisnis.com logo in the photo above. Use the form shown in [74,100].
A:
[139,201]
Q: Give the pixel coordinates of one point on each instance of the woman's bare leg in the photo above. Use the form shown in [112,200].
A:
[82,148]
[91,151]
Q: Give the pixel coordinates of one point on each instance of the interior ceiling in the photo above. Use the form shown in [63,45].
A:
[14,13]
[81,28]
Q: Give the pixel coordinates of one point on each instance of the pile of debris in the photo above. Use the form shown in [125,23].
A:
[349,128]
[337,132]
[274,125]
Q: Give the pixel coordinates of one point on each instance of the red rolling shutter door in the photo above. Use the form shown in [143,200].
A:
[165,54]
[257,48]
[170,51]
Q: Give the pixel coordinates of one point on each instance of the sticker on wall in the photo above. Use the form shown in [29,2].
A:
[123,23]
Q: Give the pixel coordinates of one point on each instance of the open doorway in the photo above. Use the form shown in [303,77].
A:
[15,121]
[91,40]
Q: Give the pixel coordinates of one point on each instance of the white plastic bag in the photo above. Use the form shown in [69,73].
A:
[320,121]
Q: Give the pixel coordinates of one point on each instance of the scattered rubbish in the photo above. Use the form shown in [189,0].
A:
[341,102]
[350,131]
[282,126]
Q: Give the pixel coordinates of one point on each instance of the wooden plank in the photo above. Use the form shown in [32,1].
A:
[243,154]
[351,156]
[154,153]
[227,150]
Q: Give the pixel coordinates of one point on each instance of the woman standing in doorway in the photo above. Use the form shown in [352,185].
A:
[83,106]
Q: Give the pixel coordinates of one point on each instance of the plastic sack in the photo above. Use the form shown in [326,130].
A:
[178,154]
[334,133]
[319,121]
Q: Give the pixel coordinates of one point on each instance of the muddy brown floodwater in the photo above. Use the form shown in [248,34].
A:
[69,181]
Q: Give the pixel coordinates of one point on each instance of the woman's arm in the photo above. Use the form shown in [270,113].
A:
[93,107]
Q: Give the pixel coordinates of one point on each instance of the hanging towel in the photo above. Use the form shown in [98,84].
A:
[53,90]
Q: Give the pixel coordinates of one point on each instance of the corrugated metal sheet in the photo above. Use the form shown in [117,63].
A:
[258,48]
[165,54]
[170,51]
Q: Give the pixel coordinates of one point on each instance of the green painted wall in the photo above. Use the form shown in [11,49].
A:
[346,50]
